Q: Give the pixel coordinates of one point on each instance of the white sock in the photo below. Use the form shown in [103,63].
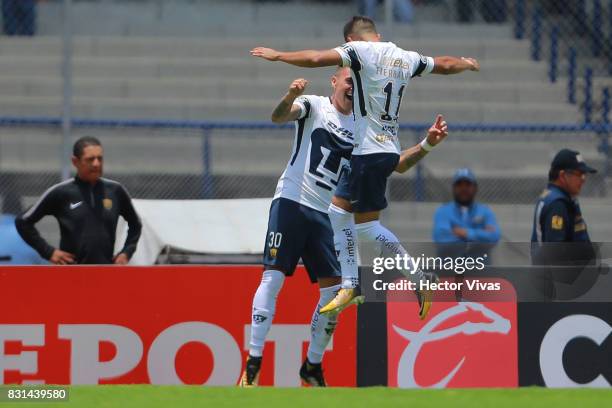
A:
[345,243]
[322,327]
[374,231]
[264,305]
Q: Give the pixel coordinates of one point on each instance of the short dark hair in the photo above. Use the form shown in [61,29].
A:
[82,143]
[358,25]
[553,173]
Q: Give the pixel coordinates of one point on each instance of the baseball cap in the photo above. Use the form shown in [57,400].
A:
[464,174]
[568,159]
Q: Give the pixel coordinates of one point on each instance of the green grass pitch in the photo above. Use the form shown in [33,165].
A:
[189,396]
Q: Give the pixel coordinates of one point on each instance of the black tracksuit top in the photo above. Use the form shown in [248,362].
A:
[87,216]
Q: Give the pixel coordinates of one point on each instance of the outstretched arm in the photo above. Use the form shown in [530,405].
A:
[454,65]
[305,58]
[286,110]
[435,135]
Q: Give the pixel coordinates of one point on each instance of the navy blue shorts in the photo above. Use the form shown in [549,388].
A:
[343,189]
[296,231]
[368,180]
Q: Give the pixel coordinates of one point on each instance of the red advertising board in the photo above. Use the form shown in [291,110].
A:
[159,325]
[459,345]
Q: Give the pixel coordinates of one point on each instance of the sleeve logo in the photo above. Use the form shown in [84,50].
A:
[348,48]
[557,222]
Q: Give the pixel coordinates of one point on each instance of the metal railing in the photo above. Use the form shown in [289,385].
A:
[203,159]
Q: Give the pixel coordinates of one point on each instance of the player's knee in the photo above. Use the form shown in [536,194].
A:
[370,231]
[273,279]
[342,203]
[363,217]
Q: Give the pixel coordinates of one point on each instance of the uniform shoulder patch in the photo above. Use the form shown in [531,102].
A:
[556,222]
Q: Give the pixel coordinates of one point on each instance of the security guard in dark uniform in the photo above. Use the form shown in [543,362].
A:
[559,236]
[558,217]
[87,209]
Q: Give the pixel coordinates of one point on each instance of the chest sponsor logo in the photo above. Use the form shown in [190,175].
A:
[384,138]
[339,130]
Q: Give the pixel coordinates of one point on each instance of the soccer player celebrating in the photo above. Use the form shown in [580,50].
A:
[380,71]
[298,226]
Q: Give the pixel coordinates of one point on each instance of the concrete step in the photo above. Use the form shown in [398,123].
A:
[171,47]
[313,28]
[219,68]
[500,157]
[426,89]
[599,83]
[514,220]
[241,110]
[210,17]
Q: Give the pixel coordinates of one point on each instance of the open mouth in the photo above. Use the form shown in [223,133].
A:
[349,96]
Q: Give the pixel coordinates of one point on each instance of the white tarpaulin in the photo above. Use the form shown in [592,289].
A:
[201,226]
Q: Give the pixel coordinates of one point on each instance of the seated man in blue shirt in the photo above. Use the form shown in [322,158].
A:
[464,220]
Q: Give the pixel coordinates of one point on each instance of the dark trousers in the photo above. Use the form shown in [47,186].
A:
[19,17]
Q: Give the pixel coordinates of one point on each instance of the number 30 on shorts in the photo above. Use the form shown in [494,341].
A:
[275,239]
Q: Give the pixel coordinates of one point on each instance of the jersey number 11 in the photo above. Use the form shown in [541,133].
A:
[388,90]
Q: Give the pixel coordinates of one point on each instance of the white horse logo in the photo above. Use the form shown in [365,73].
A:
[405,369]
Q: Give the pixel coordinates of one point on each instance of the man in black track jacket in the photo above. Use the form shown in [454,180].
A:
[87,208]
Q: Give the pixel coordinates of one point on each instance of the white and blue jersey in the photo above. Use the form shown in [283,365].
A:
[381,71]
[298,225]
[322,147]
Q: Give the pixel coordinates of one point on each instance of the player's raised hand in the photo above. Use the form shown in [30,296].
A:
[265,53]
[297,87]
[438,131]
[473,62]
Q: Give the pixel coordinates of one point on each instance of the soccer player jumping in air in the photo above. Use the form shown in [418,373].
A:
[380,71]
[298,226]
